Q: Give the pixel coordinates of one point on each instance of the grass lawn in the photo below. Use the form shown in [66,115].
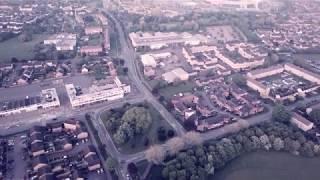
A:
[20,50]
[270,165]
[171,90]
[142,166]
[155,173]
[308,56]
[137,143]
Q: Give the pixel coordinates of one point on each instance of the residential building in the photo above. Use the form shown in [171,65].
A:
[93,30]
[91,50]
[253,81]
[301,122]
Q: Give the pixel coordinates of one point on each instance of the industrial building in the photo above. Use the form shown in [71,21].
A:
[160,40]
[236,4]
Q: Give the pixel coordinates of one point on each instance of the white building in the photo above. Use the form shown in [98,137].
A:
[159,40]
[236,4]
[63,41]
[104,90]
[301,122]
[48,98]
[148,60]
[177,74]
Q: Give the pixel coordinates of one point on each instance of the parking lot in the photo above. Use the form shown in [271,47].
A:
[224,34]
[18,165]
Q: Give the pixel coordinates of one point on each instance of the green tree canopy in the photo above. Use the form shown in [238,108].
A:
[279,113]
[315,116]
[111,163]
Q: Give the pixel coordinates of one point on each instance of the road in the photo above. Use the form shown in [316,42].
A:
[128,54]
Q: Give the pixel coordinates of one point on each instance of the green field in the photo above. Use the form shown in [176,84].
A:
[171,90]
[270,166]
[20,50]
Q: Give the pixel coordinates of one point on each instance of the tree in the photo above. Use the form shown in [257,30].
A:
[278,144]
[315,116]
[155,154]
[175,145]
[279,113]
[162,134]
[87,116]
[170,133]
[192,138]
[307,149]
[132,169]
[264,139]
[111,163]
[25,37]
[146,142]
[239,80]
[120,137]
[139,117]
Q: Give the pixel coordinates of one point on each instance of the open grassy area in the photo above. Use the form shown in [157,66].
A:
[270,165]
[20,50]
[171,90]
[262,166]
[136,144]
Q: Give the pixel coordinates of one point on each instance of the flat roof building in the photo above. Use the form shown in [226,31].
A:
[177,74]
[63,41]
[254,81]
[47,98]
[301,122]
[104,90]
[158,40]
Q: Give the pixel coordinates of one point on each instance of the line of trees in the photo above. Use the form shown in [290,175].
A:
[157,153]
[199,162]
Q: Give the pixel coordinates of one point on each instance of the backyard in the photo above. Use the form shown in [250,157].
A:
[138,142]
[20,50]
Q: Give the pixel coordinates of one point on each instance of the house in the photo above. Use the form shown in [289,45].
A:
[36,137]
[93,162]
[37,149]
[55,127]
[93,30]
[81,135]
[301,122]
[185,104]
[39,162]
[212,122]
[63,145]
[88,151]
[91,50]
[71,125]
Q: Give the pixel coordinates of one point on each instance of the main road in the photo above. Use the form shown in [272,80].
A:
[128,54]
